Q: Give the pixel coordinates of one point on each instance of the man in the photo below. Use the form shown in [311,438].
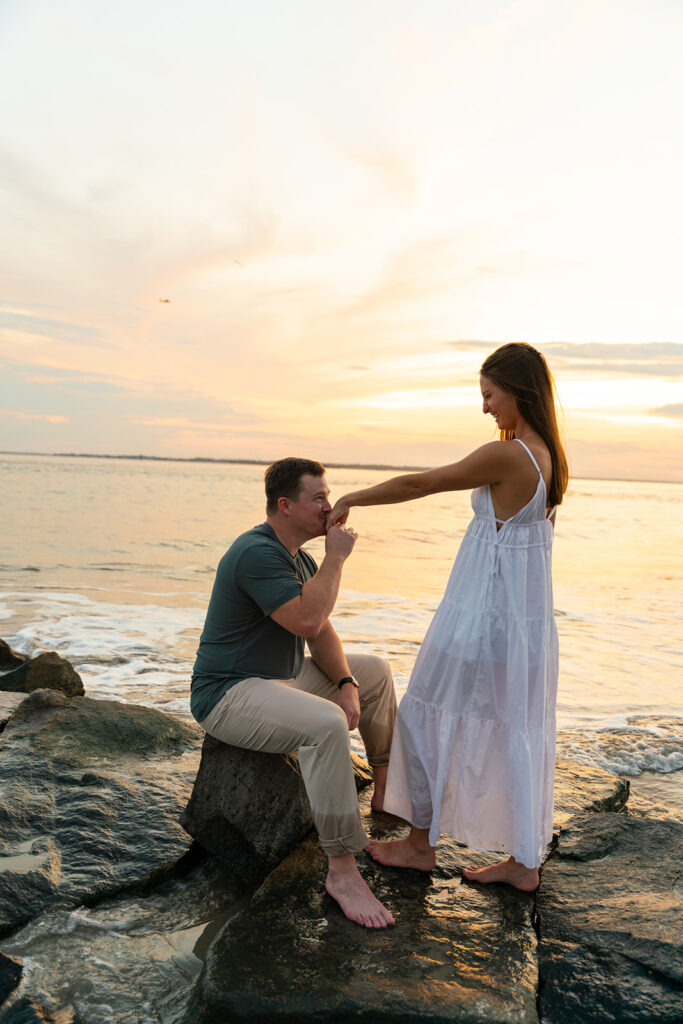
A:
[252,686]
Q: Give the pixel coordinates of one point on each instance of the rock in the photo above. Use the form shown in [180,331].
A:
[90,793]
[30,1011]
[459,952]
[9,658]
[610,923]
[47,671]
[10,975]
[250,809]
[580,788]
[9,702]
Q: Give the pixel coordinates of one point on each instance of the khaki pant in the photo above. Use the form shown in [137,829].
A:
[281,715]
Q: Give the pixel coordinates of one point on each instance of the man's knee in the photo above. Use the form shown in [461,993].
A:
[333,724]
[372,669]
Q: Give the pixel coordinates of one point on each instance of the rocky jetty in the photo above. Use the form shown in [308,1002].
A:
[459,952]
[90,795]
[46,671]
[250,809]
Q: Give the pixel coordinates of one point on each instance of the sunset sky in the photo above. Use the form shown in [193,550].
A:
[347,206]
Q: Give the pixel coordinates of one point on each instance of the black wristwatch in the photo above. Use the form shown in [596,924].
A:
[348,679]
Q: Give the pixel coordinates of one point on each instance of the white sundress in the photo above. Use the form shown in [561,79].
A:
[474,744]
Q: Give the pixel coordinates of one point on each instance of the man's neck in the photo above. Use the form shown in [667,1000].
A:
[287,537]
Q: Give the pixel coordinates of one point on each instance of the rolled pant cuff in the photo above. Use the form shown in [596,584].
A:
[343,845]
[381,761]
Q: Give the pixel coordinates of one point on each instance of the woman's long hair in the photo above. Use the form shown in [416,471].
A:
[521,369]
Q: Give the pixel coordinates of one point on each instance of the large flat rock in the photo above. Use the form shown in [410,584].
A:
[90,794]
[610,914]
[459,952]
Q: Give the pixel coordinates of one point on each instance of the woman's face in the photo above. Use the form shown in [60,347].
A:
[502,405]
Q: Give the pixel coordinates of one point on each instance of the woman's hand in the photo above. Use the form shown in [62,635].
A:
[338,515]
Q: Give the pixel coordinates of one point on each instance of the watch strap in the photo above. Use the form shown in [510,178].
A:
[347,679]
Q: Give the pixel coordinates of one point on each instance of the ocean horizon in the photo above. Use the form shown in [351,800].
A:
[381,466]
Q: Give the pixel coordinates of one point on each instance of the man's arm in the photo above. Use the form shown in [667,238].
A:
[306,614]
[328,654]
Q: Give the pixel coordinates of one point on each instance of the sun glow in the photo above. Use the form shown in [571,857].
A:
[309,227]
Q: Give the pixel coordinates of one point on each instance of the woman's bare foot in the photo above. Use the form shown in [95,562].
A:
[380,774]
[345,885]
[510,871]
[412,852]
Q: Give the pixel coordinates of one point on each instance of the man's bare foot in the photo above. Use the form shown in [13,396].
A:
[510,871]
[345,885]
[402,853]
[380,774]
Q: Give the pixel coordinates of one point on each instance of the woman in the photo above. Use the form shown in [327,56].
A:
[474,746]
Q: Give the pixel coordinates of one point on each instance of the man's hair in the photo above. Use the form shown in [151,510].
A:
[283,480]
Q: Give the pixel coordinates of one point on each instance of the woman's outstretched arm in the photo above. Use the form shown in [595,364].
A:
[486,465]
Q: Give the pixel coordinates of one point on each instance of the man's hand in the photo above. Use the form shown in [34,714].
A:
[338,515]
[350,705]
[339,541]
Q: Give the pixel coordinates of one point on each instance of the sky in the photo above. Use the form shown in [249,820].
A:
[258,229]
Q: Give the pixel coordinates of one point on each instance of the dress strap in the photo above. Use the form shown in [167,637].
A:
[529,454]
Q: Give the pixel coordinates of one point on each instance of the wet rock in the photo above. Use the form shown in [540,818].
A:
[580,788]
[30,1011]
[459,952]
[610,923]
[47,671]
[250,809]
[9,658]
[9,702]
[90,794]
[10,975]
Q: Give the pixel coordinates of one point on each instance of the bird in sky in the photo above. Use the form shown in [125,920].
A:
[164,300]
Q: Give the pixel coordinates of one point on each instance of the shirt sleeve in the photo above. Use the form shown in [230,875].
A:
[268,577]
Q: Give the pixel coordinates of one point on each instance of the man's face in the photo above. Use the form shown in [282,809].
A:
[309,512]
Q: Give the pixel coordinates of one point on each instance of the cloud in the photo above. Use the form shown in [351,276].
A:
[653,358]
[669,411]
[79,334]
[649,358]
[47,417]
[394,171]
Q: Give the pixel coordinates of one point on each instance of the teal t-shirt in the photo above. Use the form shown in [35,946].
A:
[255,576]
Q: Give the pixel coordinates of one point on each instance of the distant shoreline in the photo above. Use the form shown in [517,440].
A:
[203,459]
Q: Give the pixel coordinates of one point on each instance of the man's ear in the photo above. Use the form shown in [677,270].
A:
[283,505]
